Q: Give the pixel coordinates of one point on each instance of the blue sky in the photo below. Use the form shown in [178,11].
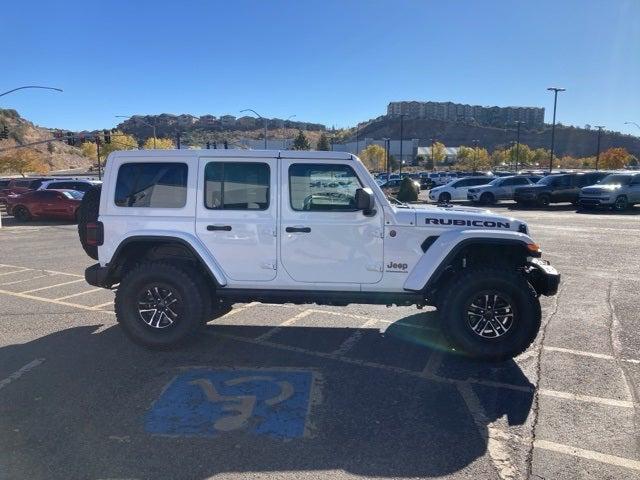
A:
[335,62]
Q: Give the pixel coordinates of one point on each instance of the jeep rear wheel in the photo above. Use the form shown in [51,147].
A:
[160,305]
[490,314]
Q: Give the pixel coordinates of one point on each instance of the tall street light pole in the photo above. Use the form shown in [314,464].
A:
[555,91]
[138,119]
[386,151]
[599,127]
[632,123]
[402,115]
[433,158]
[475,154]
[261,117]
[30,86]
[284,140]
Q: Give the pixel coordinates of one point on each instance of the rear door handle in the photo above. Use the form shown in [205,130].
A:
[215,228]
[298,229]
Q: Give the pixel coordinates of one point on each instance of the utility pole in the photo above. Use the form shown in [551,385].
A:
[475,155]
[386,148]
[555,91]
[402,115]
[599,127]
[433,158]
[357,138]
[265,123]
[178,140]
[517,146]
[98,155]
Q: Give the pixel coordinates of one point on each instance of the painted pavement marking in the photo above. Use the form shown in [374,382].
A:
[209,402]
[52,286]
[79,293]
[349,343]
[290,321]
[19,373]
[587,454]
[4,265]
[56,302]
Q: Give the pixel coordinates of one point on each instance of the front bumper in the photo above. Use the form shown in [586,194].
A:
[98,276]
[595,201]
[543,277]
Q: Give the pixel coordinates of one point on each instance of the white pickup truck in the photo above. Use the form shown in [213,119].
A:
[184,234]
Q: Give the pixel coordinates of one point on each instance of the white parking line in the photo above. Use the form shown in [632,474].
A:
[79,293]
[290,321]
[4,265]
[22,281]
[579,352]
[53,286]
[587,454]
[105,304]
[586,398]
[353,338]
[18,373]
[15,271]
[51,300]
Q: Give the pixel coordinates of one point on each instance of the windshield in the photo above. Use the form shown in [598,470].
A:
[550,180]
[616,180]
[73,194]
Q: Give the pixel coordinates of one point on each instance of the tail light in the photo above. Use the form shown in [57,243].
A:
[95,233]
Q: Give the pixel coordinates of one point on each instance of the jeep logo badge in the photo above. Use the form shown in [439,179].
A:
[397,267]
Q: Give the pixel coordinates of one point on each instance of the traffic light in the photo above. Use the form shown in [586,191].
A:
[107,136]
[4,133]
[208,145]
[70,139]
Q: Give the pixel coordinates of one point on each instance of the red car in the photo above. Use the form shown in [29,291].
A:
[58,204]
[16,186]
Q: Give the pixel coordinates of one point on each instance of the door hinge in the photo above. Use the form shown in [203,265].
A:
[269,265]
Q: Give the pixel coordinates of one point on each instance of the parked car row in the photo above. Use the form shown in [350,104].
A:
[46,197]
[618,190]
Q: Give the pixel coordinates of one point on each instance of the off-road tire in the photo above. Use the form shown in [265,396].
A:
[473,282]
[88,213]
[21,213]
[444,197]
[487,199]
[184,285]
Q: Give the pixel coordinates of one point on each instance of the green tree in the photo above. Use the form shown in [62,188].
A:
[473,159]
[323,143]
[408,190]
[301,142]
[89,150]
[374,157]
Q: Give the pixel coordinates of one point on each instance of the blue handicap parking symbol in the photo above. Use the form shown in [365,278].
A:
[206,402]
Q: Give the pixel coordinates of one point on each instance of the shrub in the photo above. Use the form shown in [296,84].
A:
[408,191]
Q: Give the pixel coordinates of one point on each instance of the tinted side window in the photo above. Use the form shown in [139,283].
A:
[154,185]
[320,187]
[478,181]
[236,186]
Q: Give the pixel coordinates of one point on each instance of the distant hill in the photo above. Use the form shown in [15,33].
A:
[577,142]
[58,155]
[207,127]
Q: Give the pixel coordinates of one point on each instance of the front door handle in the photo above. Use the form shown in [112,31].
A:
[215,228]
[298,229]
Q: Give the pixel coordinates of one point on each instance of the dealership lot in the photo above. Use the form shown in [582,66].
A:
[309,392]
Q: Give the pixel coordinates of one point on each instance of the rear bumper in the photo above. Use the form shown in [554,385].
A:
[543,277]
[97,276]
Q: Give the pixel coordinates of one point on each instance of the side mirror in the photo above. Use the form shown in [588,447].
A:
[364,200]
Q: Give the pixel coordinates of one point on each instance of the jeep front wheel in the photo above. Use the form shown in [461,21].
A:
[490,314]
[160,305]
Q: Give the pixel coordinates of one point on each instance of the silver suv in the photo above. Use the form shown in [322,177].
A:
[618,191]
[502,188]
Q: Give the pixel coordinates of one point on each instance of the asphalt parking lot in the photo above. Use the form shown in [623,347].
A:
[315,392]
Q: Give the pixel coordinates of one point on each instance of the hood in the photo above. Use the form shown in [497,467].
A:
[591,189]
[465,218]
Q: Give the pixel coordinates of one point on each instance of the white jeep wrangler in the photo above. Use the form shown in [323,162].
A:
[185,234]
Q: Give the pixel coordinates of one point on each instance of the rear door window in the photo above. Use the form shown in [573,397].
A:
[152,185]
[236,186]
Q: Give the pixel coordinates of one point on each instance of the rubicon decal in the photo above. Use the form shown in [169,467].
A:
[466,223]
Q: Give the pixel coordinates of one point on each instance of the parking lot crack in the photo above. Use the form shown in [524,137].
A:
[536,396]
[614,328]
